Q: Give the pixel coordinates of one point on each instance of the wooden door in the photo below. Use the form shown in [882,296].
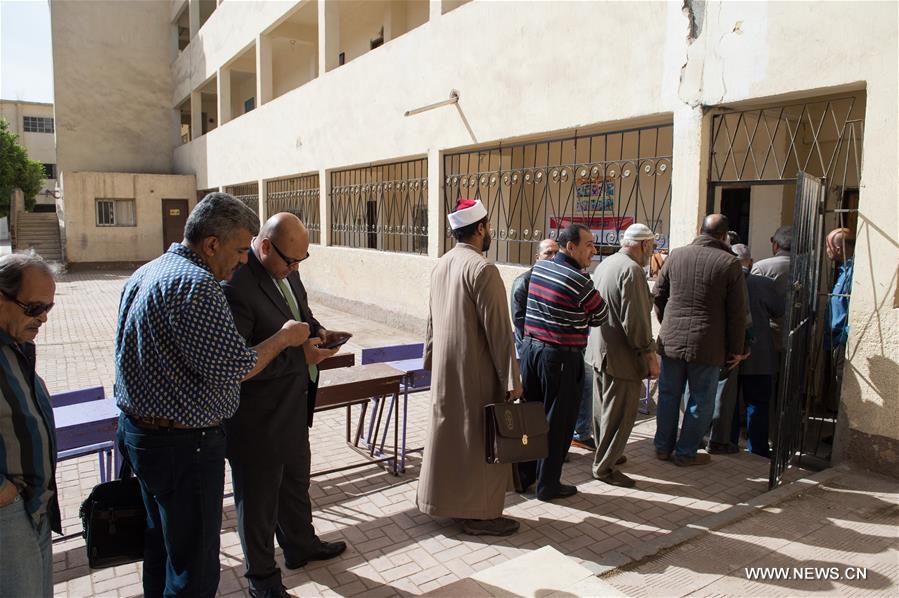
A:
[174,217]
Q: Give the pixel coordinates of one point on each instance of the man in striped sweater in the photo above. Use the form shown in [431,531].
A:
[562,306]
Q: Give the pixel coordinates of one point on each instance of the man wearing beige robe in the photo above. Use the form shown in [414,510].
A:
[471,355]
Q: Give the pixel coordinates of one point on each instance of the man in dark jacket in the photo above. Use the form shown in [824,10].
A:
[545,251]
[700,300]
[268,437]
[757,371]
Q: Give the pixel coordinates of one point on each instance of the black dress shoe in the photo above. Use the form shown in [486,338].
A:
[322,552]
[563,491]
[271,592]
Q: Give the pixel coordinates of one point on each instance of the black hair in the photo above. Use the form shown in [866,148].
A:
[469,230]
[572,233]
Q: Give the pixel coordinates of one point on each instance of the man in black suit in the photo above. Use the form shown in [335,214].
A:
[268,437]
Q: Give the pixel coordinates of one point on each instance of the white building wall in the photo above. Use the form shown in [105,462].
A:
[525,69]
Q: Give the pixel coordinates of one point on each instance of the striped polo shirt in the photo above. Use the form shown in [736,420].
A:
[562,303]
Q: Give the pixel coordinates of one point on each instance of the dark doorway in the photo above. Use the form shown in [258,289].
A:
[735,205]
[371,222]
[174,217]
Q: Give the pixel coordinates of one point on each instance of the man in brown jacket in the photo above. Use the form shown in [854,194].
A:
[700,299]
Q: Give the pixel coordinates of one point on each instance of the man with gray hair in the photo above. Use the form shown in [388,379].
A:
[28,496]
[180,360]
[621,351]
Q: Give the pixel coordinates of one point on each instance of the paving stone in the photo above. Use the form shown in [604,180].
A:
[373,511]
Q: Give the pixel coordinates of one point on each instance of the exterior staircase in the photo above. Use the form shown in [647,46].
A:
[39,231]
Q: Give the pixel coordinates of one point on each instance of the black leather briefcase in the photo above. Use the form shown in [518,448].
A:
[115,520]
[516,432]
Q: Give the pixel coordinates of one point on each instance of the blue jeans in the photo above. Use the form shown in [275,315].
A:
[26,559]
[182,478]
[703,381]
[583,429]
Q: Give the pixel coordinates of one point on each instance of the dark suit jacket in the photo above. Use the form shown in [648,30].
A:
[277,404]
[765,303]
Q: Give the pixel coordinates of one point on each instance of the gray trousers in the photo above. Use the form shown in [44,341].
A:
[615,403]
[725,407]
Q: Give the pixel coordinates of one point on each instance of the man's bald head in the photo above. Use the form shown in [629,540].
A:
[283,225]
[283,242]
[715,225]
[840,244]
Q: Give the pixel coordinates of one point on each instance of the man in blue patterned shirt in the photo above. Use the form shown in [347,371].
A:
[179,364]
[28,504]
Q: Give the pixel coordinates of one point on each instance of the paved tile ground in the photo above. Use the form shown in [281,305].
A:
[848,523]
[394,549]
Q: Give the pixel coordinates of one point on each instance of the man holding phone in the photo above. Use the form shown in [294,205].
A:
[268,437]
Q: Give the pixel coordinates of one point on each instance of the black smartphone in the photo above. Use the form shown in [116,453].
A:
[336,343]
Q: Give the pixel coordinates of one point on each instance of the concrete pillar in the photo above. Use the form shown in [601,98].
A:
[435,210]
[193,10]
[324,206]
[394,20]
[263,69]
[436,9]
[263,201]
[196,115]
[689,174]
[223,80]
[328,35]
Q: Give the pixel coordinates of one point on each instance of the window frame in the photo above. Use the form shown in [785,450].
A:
[38,124]
[98,201]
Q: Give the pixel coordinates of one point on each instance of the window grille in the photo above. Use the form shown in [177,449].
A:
[116,212]
[247,193]
[298,195]
[381,207]
[821,138]
[531,191]
[38,124]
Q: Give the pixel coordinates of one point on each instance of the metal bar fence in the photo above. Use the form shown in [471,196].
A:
[607,181]
[247,193]
[300,196]
[382,207]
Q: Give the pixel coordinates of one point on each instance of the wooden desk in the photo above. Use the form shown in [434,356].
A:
[345,387]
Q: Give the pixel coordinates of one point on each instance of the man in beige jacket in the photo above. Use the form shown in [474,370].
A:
[621,351]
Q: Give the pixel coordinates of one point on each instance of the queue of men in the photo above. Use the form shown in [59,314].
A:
[216,356]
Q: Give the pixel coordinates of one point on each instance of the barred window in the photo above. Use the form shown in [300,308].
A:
[38,124]
[116,212]
[531,191]
[247,193]
[381,207]
[298,195]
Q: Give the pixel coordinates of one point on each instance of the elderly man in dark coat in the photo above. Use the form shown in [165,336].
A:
[700,299]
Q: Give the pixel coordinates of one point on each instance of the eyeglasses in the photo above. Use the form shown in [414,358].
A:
[288,260]
[32,310]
